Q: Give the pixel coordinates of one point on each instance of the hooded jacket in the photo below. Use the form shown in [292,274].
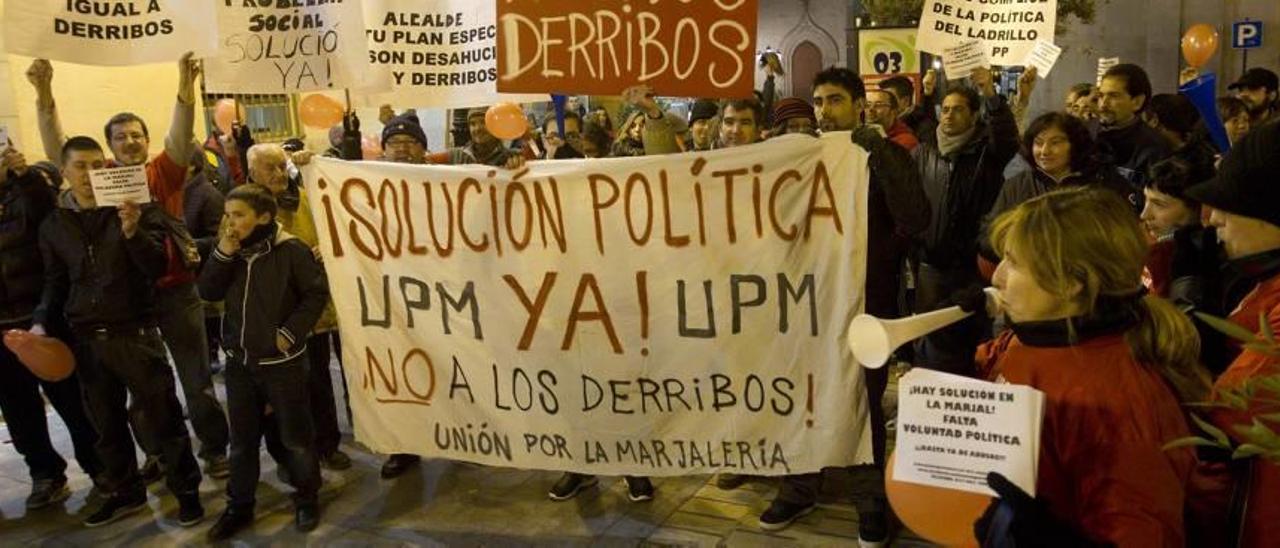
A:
[274,286]
[962,186]
[1103,470]
[25,202]
[104,279]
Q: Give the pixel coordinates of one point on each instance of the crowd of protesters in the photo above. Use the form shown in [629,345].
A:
[1123,223]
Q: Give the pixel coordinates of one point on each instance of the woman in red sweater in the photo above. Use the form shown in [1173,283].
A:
[1114,364]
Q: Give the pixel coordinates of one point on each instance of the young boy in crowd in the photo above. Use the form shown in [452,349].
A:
[275,291]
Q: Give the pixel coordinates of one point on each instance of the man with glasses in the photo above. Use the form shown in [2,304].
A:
[883,110]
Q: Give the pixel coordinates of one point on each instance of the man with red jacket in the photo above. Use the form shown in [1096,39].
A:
[1244,199]
[178,308]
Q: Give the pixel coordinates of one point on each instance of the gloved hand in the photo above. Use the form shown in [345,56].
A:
[1017,519]
[870,137]
[352,148]
[972,299]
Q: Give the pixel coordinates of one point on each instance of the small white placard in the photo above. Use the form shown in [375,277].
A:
[960,61]
[1043,56]
[115,186]
[953,430]
[1105,64]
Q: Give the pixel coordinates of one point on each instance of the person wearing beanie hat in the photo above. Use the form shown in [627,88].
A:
[1259,88]
[1243,201]
[701,116]
[403,141]
[793,115]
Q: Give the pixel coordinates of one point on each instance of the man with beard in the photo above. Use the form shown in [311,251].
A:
[178,309]
[1258,88]
[1123,140]
[898,211]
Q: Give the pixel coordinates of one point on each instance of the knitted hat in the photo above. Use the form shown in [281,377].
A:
[403,125]
[791,108]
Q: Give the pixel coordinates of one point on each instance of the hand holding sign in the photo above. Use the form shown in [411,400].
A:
[1027,82]
[129,213]
[188,71]
[642,97]
[984,81]
[930,82]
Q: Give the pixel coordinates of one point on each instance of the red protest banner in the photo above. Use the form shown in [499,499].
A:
[680,48]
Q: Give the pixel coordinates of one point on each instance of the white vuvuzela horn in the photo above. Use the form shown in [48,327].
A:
[873,340]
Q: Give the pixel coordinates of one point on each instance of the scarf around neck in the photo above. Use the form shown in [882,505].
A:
[948,144]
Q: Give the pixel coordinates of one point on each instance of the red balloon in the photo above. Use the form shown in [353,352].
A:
[943,516]
[506,121]
[1199,44]
[47,357]
[371,147]
[320,111]
[224,114]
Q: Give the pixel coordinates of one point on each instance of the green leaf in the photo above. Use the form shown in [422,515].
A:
[1229,328]
[1273,417]
[1265,327]
[1190,441]
[1266,349]
[1248,450]
[1212,430]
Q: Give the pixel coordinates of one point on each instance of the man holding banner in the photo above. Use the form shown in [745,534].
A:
[897,212]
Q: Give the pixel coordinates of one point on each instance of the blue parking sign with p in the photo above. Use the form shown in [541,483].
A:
[1246,35]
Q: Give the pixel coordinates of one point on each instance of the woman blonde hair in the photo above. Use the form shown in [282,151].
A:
[1083,245]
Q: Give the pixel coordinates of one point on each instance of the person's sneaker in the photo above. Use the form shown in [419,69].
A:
[873,529]
[781,514]
[116,507]
[639,489]
[218,467]
[729,482]
[97,493]
[47,492]
[306,518]
[336,460]
[570,485]
[190,511]
[398,464]
[229,523]
[151,471]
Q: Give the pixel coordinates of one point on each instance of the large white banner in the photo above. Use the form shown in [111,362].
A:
[277,47]
[440,53]
[1009,30]
[124,32]
[652,316]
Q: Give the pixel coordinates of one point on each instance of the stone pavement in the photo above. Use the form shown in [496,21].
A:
[442,503]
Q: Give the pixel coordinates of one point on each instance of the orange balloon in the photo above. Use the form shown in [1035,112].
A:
[1199,44]
[943,516]
[47,357]
[320,111]
[506,121]
[224,114]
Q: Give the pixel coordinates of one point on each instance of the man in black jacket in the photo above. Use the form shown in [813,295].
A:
[898,212]
[1124,141]
[100,268]
[963,173]
[25,201]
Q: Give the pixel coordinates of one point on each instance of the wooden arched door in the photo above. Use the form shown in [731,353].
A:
[806,62]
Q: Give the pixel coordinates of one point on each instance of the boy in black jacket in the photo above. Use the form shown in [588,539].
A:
[274,290]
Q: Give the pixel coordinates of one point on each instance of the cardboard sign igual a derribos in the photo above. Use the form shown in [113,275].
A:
[682,48]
